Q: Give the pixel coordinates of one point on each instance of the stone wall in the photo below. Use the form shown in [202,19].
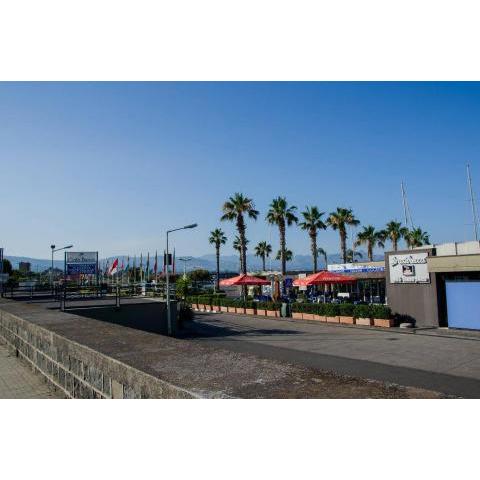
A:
[78,371]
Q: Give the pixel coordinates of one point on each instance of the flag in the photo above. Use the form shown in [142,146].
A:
[114,267]
[155,265]
[148,266]
[164,262]
[127,267]
[173,267]
[122,268]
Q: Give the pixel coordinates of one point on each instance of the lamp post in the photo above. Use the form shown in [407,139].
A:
[185,260]
[53,251]
[167,276]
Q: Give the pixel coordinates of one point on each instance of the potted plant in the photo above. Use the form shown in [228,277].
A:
[346,313]
[363,315]
[297,311]
[261,310]
[250,308]
[240,307]
[224,304]
[332,313]
[309,312]
[272,309]
[382,316]
[319,312]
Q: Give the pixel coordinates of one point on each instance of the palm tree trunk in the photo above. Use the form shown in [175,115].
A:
[283,248]
[343,245]
[395,244]
[263,260]
[218,267]
[370,252]
[313,238]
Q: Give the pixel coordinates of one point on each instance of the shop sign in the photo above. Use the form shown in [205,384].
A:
[85,263]
[410,268]
[355,268]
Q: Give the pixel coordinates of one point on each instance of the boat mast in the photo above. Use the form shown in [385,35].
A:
[473,204]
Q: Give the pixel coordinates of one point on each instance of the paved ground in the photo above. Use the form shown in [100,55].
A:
[196,366]
[18,381]
[427,359]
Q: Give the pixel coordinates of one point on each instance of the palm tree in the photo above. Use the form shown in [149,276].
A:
[322,252]
[312,222]
[263,250]
[237,245]
[417,238]
[352,255]
[394,232]
[217,238]
[288,255]
[371,238]
[234,210]
[282,215]
[339,220]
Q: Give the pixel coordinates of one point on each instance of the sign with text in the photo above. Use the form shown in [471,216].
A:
[85,263]
[410,268]
[355,268]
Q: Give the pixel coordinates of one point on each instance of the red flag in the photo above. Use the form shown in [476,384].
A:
[114,268]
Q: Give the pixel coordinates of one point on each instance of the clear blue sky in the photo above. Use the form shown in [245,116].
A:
[110,166]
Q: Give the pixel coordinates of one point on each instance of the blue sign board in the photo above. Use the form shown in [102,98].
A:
[81,263]
[81,268]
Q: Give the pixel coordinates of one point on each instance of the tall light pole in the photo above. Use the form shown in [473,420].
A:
[53,251]
[167,276]
[185,260]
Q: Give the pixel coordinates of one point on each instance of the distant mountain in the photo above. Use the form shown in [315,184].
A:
[208,262]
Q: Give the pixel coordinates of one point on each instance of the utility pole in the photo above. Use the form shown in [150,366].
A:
[473,204]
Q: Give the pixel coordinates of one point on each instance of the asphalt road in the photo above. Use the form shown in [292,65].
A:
[435,362]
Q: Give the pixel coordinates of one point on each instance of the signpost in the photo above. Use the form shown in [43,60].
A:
[81,263]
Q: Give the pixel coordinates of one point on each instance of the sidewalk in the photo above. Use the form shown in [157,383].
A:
[18,381]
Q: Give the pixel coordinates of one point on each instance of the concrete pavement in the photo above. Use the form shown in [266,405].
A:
[18,381]
[436,362]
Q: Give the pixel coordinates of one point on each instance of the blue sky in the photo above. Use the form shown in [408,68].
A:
[111,166]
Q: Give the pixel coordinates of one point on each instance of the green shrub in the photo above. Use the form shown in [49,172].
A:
[346,309]
[332,310]
[362,311]
[269,305]
[381,311]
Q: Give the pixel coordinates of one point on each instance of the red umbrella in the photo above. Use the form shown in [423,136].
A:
[243,280]
[322,278]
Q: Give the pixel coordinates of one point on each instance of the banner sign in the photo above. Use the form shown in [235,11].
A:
[355,268]
[85,263]
[410,268]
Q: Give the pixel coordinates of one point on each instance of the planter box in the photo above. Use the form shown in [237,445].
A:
[347,320]
[240,310]
[297,315]
[232,310]
[215,308]
[308,316]
[384,322]
[332,319]
[223,309]
[261,312]
[195,306]
[319,318]
[364,321]
[250,311]
[271,313]
[201,306]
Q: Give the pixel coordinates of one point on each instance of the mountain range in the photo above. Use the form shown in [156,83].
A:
[227,262]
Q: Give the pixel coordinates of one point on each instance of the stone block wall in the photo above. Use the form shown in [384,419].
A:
[79,371]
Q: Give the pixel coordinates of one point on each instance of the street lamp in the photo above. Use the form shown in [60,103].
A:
[185,260]
[53,251]
[167,276]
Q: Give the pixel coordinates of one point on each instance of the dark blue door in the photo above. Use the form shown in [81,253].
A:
[463,304]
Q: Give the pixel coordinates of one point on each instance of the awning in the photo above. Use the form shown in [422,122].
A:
[243,280]
[323,277]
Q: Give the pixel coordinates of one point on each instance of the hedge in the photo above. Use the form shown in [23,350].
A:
[346,309]
[343,309]
[268,305]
